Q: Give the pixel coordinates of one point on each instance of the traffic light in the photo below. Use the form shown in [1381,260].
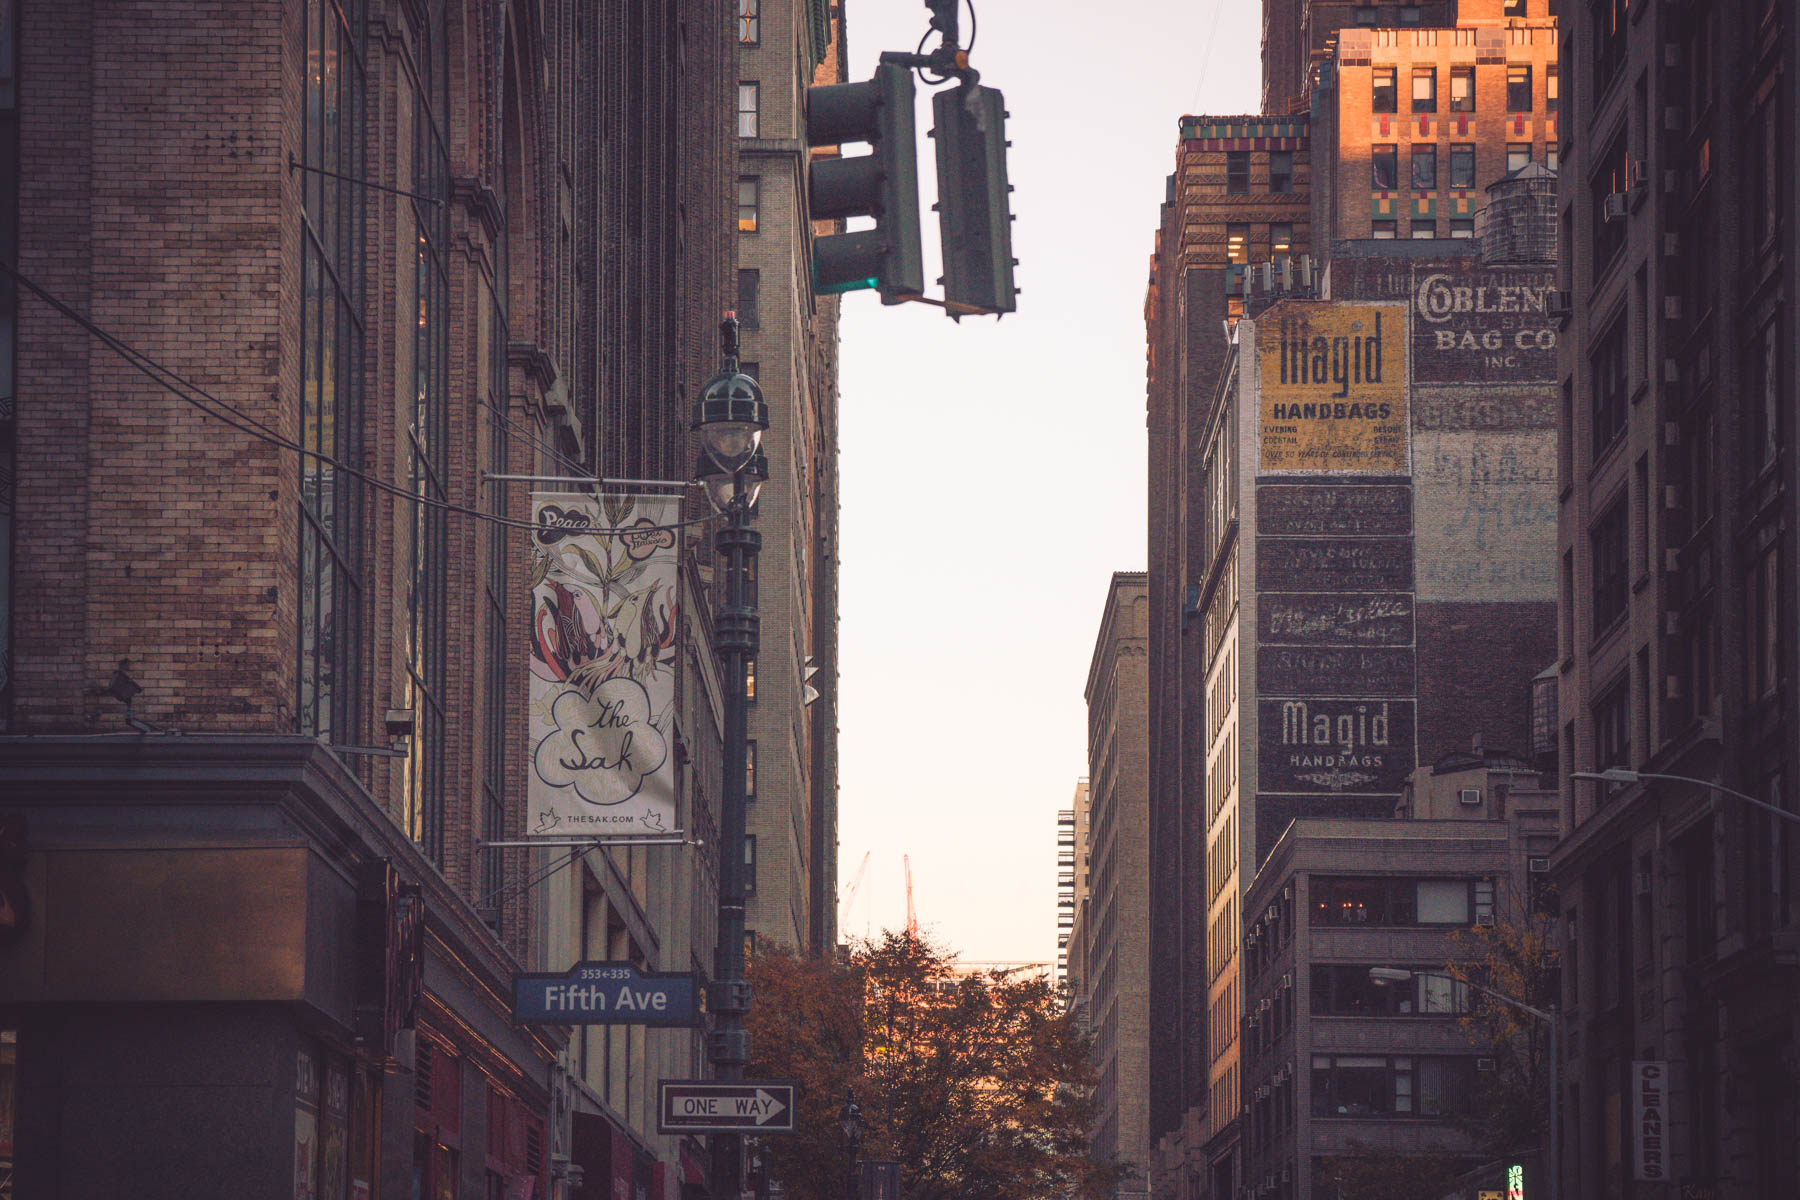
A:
[973,210]
[883,184]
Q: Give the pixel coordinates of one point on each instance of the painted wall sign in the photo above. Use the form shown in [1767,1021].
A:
[1334,671]
[1334,564]
[1341,619]
[1334,747]
[1332,388]
[1470,320]
[606,993]
[1485,405]
[1358,509]
[1487,515]
[602,691]
[1649,1121]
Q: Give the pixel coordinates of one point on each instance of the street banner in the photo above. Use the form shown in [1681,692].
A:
[606,993]
[1332,389]
[604,614]
[1649,1121]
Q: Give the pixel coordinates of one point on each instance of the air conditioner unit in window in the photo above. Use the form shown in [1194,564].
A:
[1537,866]
[1273,913]
[1468,797]
[1638,172]
[1485,1064]
[1615,206]
[1287,981]
[1484,918]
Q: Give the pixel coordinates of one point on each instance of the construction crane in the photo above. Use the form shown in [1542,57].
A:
[850,892]
[912,918]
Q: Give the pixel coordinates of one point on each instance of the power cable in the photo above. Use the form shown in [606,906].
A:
[179,387]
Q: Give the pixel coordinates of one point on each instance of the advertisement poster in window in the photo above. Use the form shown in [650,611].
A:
[604,614]
[306,1126]
[1332,389]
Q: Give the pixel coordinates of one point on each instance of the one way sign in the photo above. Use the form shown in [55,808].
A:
[709,1105]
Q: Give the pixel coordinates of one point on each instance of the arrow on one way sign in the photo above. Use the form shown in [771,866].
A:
[702,1105]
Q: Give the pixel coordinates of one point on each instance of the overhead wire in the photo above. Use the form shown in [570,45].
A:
[228,414]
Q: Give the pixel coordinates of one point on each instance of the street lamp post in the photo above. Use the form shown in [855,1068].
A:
[1624,775]
[1382,976]
[731,418]
[850,1121]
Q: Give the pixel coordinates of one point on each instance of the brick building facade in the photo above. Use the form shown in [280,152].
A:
[1114,957]
[292,277]
[791,336]
[1677,576]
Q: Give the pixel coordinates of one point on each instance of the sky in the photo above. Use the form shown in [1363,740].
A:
[993,473]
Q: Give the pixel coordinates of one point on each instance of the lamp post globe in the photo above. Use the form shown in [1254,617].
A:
[730,418]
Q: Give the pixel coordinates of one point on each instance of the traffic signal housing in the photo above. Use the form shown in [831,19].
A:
[883,184]
[974,216]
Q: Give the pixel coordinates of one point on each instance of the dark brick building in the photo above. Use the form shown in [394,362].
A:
[290,279]
[1678,594]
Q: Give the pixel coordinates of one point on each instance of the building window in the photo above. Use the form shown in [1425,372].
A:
[1762,624]
[750,769]
[1552,85]
[1609,24]
[1513,8]
[1237,172]
[749,285]
[1552,158]
[749,864]
[1612,727]
[1518,156]
[1518,87]
[1340,990]
[1462,89]
[1610,544]
[1762,407]
[1383,92]
[750,680]
[1345,1085]
[428,434]
[1281,241]
[9,311]
[1377,900]
[1384,168]
[1612,179]
[1281,171]
[1382,231]
[1462,166]
[1462,227]
[1609,368]
[1424,167]
[1410,14]
[329,688]
[1368,15]
[1422,229]
[749,203]
[1237,244]
[749,22]
[1424,89]
[747,109]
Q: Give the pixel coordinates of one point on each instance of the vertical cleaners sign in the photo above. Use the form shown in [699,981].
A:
[1332,389]
[1649,1120]
[602,702]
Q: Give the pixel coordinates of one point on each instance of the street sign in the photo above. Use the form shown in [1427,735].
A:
[606,993]
[703,1105]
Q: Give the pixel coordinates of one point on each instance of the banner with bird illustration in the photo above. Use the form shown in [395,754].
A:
[604,610]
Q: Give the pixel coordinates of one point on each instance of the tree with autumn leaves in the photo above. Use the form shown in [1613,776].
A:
[977,1083]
